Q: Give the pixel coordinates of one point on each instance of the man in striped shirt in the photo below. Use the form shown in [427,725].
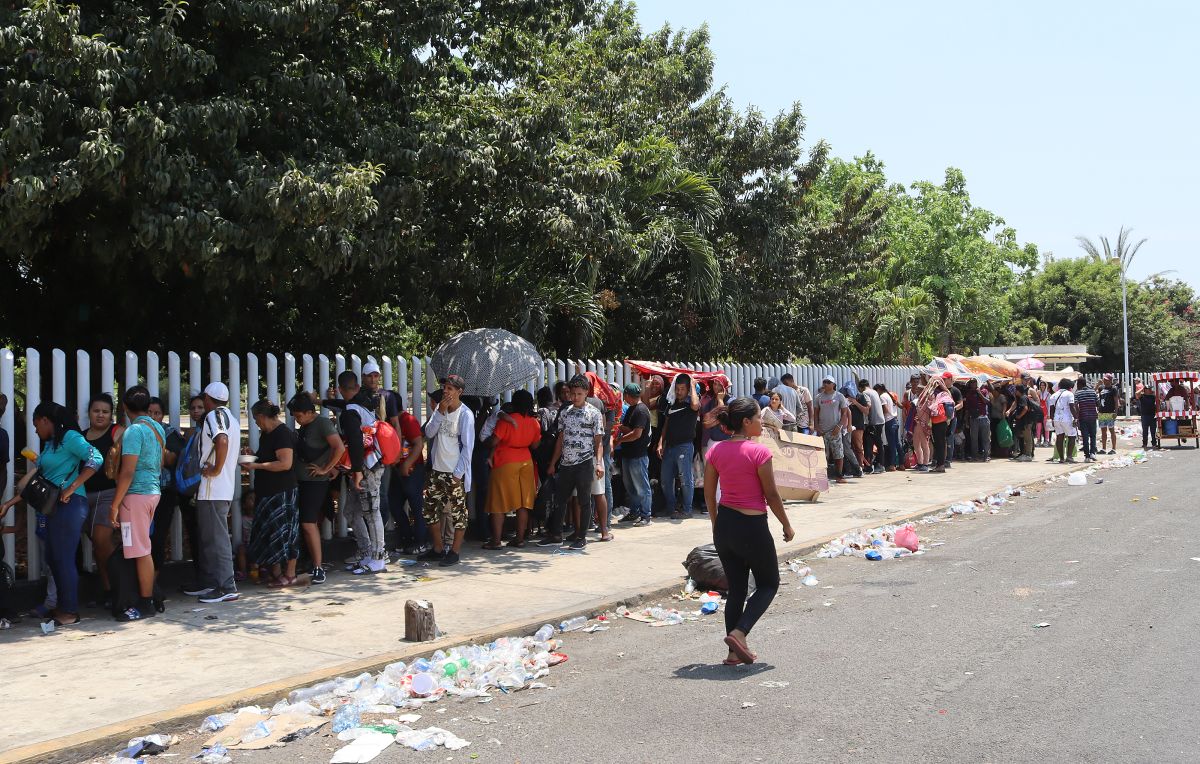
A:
[1088,403]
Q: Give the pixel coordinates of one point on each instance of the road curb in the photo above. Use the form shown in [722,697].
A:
[103,741]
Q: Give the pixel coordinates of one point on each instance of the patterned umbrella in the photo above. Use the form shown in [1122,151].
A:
[492,361]
[1031,363]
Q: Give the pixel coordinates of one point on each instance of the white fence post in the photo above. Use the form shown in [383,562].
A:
[173,388]
[83,385]
[307,366]
[289,386]
[214,369]
[252,395]
[7,384]
[152,373]
[195,378]
[33,396]
[58,377]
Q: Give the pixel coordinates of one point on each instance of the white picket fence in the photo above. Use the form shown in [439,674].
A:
[278,377]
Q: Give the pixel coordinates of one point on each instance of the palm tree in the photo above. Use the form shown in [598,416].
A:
[902,315]
[1106,253]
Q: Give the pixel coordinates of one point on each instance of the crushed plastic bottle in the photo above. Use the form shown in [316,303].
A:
[543,634]
[809,580]
[309,693]
[347,717]
[1077,478]
[572,624]
[216,722]
[873,555]
[708,608]
[216,754]
[258,731]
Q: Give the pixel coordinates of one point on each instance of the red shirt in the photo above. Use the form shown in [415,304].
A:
[410,430]
[513,442]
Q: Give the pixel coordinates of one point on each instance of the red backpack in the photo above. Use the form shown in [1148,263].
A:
[387,442]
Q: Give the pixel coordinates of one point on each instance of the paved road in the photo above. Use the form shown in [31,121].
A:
[932,658]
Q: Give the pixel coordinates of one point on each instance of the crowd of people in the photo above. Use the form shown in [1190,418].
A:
[548,468]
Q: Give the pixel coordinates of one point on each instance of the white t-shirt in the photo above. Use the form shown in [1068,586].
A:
[216,422]
[876,417]
[1060,405]
[445,446]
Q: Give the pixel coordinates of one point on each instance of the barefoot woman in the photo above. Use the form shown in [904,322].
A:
[740,531]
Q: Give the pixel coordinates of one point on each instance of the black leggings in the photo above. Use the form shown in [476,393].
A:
[164,515]
[745,546]
[1149,430]
[939,443]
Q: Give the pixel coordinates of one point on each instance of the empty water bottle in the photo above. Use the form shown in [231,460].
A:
[347,717]
[308,693]
[257,732]
[421,665]
[571,624]
[543,634]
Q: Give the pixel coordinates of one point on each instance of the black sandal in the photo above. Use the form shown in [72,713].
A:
[516,543]
[492,546]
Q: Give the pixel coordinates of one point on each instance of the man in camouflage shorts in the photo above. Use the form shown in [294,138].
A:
[451,433]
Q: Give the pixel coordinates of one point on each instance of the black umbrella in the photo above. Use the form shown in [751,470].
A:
[491,361]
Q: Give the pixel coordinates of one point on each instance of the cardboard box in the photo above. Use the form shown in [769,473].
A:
[799,464]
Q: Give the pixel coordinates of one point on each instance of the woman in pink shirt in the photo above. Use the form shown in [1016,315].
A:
[740,531]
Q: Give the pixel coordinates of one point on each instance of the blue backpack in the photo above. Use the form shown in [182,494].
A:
[187,469]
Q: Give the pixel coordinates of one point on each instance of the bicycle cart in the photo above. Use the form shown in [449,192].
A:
[1177,406]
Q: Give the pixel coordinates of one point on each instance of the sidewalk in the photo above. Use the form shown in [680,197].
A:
[102,673]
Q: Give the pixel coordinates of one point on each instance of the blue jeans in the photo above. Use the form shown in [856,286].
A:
[635,474]
[410,525]
[892,454]
[62,537]
[677,462]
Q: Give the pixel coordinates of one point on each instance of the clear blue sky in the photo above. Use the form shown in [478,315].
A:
[1067,117]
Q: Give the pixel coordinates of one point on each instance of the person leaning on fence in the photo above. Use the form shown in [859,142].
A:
[362,500]
[451,433]
[67,460]
[220,438]
[138,488]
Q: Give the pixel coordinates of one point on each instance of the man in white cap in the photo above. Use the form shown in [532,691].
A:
[220,437]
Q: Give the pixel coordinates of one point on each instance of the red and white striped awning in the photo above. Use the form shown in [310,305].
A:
[1186,414]
[1166,376]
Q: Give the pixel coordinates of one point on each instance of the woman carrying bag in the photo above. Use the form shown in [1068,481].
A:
[65,464]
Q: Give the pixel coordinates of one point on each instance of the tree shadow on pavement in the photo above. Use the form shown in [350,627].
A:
[718,672]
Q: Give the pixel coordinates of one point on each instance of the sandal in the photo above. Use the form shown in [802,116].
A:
[606,537]
[515,543]
[731,661]
[740,649]
[281,582]
[59,624]
[492,545]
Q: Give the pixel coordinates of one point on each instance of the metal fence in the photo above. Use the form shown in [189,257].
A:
[62,377]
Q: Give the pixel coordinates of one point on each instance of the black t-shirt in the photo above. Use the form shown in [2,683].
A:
[681,422]
[1147,403]
[271,483]
[856,416]
[1108,400]
[956,394]
[100,481]
[637,416]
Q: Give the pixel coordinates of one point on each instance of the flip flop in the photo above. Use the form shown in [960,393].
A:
[731,661]
[606,537]
[516,544]
[740,649]
[492,546]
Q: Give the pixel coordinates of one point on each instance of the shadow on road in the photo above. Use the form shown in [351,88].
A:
[716,672]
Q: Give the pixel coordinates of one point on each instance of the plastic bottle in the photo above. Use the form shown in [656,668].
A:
[571,624]
[347,717]
[396,671]
[708,608]
[257,732]
[543,634]
[308,693]
[873,556]
[421,666]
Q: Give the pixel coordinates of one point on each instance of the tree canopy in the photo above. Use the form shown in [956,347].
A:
[243,174]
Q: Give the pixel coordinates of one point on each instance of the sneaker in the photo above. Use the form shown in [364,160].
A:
[1072,461]
[376,566]
[578,544]
[641,522]
[195,590]
[451,558]
[219,595]
[317,576]
[680,515]
[551,541]
[1113,452]
[359,570]
[1025,458]
[430,555]
[353,559]
[133,614]
[629,518]
[922,468]
[877,471]
[5,624]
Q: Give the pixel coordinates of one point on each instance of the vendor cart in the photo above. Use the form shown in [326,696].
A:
[1176,393]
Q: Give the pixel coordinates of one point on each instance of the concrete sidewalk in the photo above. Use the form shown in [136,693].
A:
[102,673]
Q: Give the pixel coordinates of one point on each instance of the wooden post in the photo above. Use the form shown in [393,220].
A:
[419,623]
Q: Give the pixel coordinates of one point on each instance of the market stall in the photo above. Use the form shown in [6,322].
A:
[1176,393]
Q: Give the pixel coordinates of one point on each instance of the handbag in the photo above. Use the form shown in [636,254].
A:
[41,494]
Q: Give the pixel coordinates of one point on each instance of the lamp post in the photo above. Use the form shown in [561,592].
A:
[1125,330]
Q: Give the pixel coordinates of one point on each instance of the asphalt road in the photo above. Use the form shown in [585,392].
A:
[930,658]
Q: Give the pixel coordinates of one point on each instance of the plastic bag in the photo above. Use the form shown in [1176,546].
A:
[906,537]
[1004,434]
[704,567]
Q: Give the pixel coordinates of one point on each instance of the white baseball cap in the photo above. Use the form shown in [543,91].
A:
[370,367]
[218,392]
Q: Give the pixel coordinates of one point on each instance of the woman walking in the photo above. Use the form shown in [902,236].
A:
[67,461]
[274,535]
[741,534]
[514,478]
[318,450]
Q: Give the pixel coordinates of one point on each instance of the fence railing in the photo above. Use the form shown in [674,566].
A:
[62,377]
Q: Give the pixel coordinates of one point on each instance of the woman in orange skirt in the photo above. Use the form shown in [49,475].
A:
[513,485]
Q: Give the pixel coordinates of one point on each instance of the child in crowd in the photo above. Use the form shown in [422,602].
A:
[243,561]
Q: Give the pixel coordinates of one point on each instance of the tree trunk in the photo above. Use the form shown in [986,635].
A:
[419,623]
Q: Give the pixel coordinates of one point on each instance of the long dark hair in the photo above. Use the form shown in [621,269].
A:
[60,416]
[733,417]
[522,402]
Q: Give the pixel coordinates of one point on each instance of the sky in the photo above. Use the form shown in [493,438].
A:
[1067,118]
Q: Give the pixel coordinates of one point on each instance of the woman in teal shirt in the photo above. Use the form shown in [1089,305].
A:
[67,460]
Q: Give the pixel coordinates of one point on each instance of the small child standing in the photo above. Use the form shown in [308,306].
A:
[243,562]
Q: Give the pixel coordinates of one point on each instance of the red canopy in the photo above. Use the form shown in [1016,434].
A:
[651,369]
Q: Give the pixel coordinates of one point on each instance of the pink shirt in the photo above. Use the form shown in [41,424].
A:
[737,463]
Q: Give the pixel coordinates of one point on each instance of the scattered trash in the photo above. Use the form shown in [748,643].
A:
[747,704]
[872,544]
[1042,625]
[429,738]
[906,537]
[217,754]
[873,555]
[572,624]
[1077,478]
[47,627]
[216,722]
[708,608]
[148,745]
[363,748]
[809,580]
[704,567]
[595,627]
[773,684]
